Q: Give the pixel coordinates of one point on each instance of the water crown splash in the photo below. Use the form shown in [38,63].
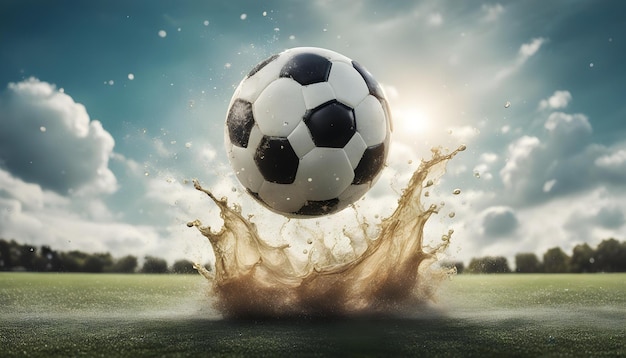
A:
[393,274]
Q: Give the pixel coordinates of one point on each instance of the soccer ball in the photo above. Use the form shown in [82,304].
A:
[307,132]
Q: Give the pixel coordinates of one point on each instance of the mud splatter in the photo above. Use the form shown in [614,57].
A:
[393,274]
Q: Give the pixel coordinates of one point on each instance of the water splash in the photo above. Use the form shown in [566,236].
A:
[393,274]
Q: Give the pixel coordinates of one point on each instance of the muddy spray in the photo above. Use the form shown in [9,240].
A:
[396,273]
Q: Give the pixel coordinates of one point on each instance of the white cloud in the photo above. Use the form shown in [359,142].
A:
[529,49]
[567,122]
[492,12]
[547,186]
[435,19]
[48,139]
[612,160]
[519,153]
[464,133]
[525,51]
[558,100]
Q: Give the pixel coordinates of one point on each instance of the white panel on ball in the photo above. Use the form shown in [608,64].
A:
[254,139]
[348,84]
[246,170]
[317,94]
[251,87]
[355,149]
[328,183]
[279,108]
[300,140]
[282,197]
[372,124]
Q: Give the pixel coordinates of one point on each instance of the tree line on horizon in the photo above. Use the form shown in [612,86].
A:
[608,256]
[25,257]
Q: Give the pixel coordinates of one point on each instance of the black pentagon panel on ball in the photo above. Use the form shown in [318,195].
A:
[370,165]
[240,121]
[331,125]
[372,85]
[262,64]
[307,68]
[317,208]
[276,160]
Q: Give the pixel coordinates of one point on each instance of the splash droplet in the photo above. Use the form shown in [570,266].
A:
[243,16]
[162,33]
[452,214]
[507,104]
[42,129]
[429,183]
[477,175]
[456,191]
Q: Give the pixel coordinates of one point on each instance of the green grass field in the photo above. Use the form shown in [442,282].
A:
[168,315]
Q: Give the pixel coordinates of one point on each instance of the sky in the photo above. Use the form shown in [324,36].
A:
[108,110]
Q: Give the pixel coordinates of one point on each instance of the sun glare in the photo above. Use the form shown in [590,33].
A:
[411,120]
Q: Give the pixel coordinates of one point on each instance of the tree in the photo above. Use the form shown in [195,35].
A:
[48,260]
[72,261]
[6,259]
[97,263]
[183,266]
[27,257]
[126,264]
[555,261]
[527,263]
[611,256]
[153,264]
[457,265]
[489,264]
[583,259]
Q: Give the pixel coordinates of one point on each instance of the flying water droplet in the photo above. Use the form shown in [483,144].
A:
[456,191]
[507,104]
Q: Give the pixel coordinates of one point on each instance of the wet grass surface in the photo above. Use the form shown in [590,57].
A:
[139,315]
